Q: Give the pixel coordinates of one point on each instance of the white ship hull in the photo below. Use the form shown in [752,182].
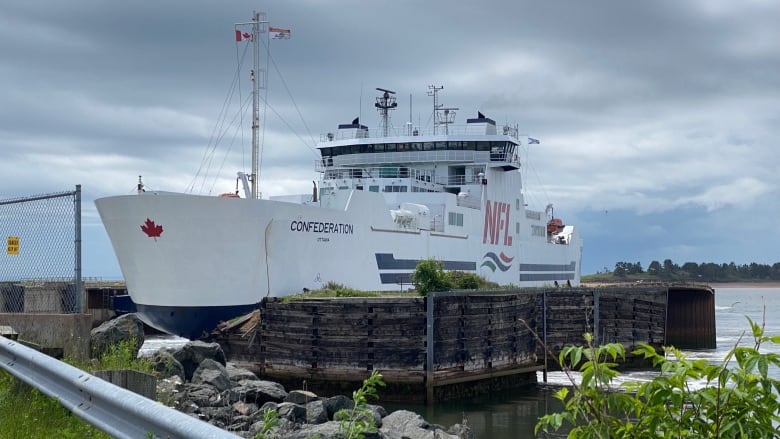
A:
[212,258]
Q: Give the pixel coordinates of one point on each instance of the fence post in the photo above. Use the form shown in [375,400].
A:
[80,293]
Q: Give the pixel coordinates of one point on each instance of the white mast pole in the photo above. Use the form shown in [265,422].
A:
[255,101]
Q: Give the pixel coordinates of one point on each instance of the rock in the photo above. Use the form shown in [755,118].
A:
[328,430]
[257,391]
[202,395]
[245,408]
[270,405]
[220,416]
[441,434]
[123,328]
[166,365]
[378,412]
[411,425]
[300,397]
[237,374]
[192,353]
[291,411]
[336,403]
[212,373]
[168,390]
[462,431]
[316,413]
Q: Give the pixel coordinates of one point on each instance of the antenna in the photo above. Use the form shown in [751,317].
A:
[435,93]
[383,104]
[441,115]
[410,115]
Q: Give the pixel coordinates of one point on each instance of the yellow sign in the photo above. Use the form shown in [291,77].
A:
[13,245]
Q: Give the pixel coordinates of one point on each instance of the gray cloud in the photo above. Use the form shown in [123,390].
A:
[663,113]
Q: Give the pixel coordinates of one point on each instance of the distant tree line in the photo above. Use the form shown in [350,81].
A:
[705,272]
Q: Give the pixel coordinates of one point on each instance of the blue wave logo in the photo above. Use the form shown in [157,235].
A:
[493,261]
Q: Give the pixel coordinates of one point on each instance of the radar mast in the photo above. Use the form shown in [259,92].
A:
[384,104]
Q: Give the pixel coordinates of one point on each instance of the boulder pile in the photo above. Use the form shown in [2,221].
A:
[197,380]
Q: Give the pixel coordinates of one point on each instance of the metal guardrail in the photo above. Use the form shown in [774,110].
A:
[118,412]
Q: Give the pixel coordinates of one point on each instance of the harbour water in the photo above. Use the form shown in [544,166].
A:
[513,414]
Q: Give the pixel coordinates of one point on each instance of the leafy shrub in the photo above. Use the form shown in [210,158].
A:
[740,401]
[354,423]
[465,281]
[429,276]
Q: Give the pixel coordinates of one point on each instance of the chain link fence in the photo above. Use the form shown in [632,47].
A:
[40,266]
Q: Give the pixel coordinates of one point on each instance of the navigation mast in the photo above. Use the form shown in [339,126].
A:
[383,104]
[256,30]
[441,115]
[257,77]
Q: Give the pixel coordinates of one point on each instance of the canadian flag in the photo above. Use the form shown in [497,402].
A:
[243,36]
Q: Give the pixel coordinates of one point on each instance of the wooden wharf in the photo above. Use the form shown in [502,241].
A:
[454,345]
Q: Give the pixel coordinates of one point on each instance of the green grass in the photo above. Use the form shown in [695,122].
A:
[25,412]
[333,289]
[28,413]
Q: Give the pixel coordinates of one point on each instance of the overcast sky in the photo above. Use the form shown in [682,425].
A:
[658,121]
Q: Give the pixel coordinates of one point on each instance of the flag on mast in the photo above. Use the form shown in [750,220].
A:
[242,36]
[278,33]
[532,141]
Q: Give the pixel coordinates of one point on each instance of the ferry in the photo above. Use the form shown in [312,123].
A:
[386,198]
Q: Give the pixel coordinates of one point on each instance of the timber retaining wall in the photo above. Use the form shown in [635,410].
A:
[456,344]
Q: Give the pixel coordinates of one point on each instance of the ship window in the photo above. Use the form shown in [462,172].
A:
[441,145]
[390,147]
[428,146]
[538,231]
[455,219]
[517,228]
[388,172]
[517,204]
[369,148]
[470,146]
[403,147]
[483,146]
[373,188]
[417,146]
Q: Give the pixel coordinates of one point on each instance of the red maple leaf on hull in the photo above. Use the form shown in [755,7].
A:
[151,229]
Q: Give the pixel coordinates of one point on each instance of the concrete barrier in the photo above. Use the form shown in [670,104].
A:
[69,332]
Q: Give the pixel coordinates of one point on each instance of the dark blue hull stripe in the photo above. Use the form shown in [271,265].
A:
[406,278]
[548,267]
[396,278]
[190,321]
[386,261]
[527,277]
